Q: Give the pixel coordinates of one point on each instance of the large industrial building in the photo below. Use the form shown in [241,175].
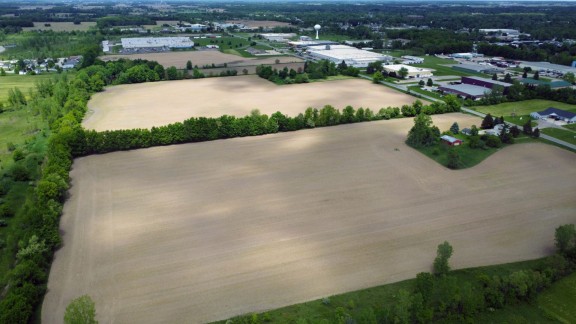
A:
[548,67]
[466,91]
[278,37]
[351,55]
[486,83]
[413,72]
[156,42]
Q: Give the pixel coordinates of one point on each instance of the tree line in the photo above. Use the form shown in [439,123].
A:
[448,296]
[199,129]
[62,105]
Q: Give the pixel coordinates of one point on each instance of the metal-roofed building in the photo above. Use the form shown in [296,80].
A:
[552,84]
[351,55]
[157,42]
[467,91]
[413,72]
[486,83]
[548,67]
[477,68]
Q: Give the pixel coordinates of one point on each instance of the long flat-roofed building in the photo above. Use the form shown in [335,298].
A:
[466,91]
[156,42]
[413,72]
[486,83]
[351,55]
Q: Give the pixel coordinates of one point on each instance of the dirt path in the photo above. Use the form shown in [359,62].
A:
[200,232]
[161,103]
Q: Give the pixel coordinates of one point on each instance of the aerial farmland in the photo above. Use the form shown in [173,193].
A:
[202,232]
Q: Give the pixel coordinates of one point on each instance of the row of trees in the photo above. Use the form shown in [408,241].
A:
[520,92]
[86,142]
[445,296]
[62,104]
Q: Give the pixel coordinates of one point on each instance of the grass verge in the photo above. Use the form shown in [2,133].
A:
[559,302]
[521,108]
[366,305]
[561,134]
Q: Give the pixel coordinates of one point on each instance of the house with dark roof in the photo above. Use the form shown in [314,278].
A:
[558,114]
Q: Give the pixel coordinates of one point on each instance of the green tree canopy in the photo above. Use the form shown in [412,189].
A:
[443,254]
[81,311]
[423,133]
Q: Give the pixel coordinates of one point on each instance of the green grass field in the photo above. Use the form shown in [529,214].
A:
[571,127]
[561,134]
[22,82]
[363,304]
[230,45]
[469,157]
[523,107]
[439,64]
[559,301]
[417,89]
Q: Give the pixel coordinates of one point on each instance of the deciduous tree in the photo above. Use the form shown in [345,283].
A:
[443,254]
[81,311]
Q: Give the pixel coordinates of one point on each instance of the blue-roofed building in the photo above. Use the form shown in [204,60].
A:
[558,114]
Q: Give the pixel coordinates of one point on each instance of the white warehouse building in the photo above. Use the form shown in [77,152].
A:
[351,55]
[151,42]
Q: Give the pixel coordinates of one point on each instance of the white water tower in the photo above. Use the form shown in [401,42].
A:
[317,27]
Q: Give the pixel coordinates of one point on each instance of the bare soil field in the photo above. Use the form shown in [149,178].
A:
[161,103]
[61,26]
[260,23]
[201,232]
[200,58]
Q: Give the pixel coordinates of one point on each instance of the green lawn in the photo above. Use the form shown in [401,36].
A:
[561,134]
[439,64]
[230,45]
[469,157]
[559,301]
[523,107]
[571,127]
[22,82]
[417,89]
[519,120]
[333,78]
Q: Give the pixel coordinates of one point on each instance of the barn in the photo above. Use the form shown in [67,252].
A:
[451,141]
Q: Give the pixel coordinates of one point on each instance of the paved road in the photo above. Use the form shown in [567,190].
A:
[544,136]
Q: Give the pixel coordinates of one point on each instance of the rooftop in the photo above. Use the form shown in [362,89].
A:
[469,89]
[344,52]
[140,42]
[410,68]
[552,84]
[557,112]
[450,139]
[545,66]
[504,84]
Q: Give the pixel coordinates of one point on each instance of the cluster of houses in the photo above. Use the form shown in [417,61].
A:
[29,66]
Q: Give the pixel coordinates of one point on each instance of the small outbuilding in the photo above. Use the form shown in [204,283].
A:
[451,141]
[466,131]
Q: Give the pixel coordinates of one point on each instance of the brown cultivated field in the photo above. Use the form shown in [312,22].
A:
[200,232]
[200,58]
[61,26]
[161,103]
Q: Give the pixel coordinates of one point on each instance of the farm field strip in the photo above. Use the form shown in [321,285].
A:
[201,58]
[161,103]
[202,232]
